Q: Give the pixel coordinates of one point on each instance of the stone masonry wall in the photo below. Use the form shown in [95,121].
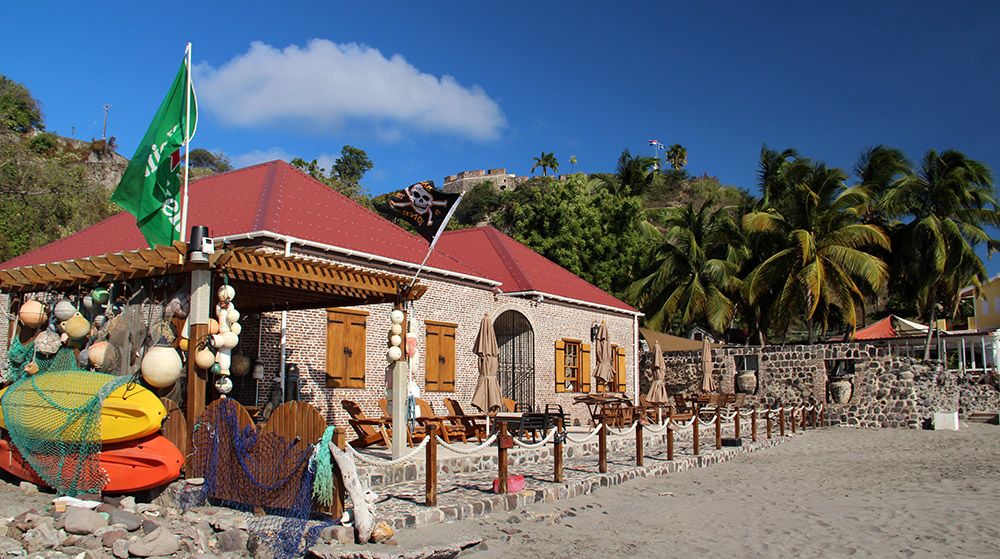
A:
[888,390]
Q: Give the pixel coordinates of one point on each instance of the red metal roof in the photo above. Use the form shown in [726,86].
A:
[519,268]
[273,197]
[878,331]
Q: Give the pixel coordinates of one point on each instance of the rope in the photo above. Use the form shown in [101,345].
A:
[467,451]
[380,462]
[674,424]
[746,413]
[586,438]
[543,442]
[707,423]
[730,416]
[624,431]
[662,427]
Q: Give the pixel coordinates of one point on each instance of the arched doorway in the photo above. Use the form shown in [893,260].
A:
[516,341]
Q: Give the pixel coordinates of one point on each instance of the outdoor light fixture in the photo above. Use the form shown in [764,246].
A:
[593,331]
[258,371]
[200,245]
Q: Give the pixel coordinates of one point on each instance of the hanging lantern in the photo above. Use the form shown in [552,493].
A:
[32,314]
[258,371]
[64,310]
[161,366]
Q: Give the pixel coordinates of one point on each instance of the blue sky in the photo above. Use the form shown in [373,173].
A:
[428,89]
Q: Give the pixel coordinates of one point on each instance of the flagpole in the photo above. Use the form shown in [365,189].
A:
[187,146]
[434,241]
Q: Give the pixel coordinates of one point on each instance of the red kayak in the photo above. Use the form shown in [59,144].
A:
[131,465]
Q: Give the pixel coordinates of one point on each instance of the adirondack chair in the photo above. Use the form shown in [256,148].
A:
[370,430]
[449,426]
[414,434]
[475,425]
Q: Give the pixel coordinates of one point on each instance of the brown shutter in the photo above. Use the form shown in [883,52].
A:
[431,357]
[585,368]
[560,366]
[345,348]
[620,375]
[446,370]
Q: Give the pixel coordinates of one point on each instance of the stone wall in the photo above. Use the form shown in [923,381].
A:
[888,390]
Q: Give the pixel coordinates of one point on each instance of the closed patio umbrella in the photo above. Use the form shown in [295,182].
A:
[605,358]
[707,382]
[487,396]
[657,393]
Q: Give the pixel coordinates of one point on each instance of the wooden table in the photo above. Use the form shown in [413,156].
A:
[597,404]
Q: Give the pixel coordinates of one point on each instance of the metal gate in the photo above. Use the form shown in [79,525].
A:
[516,341]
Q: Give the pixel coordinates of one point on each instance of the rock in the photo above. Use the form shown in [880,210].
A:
[228,520]
[128,503]
[43,536]
[232,540]
[28,520]
[120,549]
[88,542]
[324,551]
[204,556]
[195,481]
[83,521]
[131,521]
[149,526]
[28,487]
[9,546]
[382,532]
[110,537]
[338,534]
[156,543]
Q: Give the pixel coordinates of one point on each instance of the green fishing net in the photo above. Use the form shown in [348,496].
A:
[54,419]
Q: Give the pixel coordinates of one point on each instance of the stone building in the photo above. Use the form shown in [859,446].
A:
[543,314]
[465,180]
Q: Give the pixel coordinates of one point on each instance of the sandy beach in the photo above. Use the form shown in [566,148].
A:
[834,492]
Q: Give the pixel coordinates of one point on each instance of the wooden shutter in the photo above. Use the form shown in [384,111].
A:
[584,368]
[439,365]
[560,366]
[620,376]
[345,348]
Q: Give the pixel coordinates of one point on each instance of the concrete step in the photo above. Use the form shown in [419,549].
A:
[984,417]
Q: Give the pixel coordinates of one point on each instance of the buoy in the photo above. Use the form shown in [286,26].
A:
[161,366]
[32,314]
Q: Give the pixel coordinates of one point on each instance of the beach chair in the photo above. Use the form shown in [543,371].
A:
[449,426]
[509,404]
[370,430]
[414,434]
[681,404]
[475,425]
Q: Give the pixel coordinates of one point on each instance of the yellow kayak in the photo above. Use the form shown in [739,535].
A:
[128,412]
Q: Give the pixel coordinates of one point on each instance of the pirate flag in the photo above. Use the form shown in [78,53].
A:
[426,209]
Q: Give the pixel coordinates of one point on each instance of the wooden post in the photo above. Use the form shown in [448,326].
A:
[557,450]
[670,440]
[695,434]
[339,490]
[718,427]
[736,424]
[602,447]
[201,300]
[803,418]
[753,424]
[502,459]
[638,444]
[781,421]
[770,421]
[431,492]
[794,420]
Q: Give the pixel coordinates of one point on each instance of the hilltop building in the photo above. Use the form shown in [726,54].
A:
[465,180]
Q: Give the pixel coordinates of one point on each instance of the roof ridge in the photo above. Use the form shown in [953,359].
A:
[506,258]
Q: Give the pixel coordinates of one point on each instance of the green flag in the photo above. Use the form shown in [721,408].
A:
[150,187]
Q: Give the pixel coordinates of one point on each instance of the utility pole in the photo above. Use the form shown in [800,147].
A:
[106,109]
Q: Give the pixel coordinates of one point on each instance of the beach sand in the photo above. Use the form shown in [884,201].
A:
[830,493]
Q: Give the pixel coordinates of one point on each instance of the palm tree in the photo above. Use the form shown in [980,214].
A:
[820,268]
[677,156]
[879,170]
[950,201]
[546,161]
[572,161]
[634,174]
[692,274]
[771,173]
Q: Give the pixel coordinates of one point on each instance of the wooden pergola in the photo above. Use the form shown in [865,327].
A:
[266,280]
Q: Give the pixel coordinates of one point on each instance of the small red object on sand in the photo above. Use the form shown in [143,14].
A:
[515,484]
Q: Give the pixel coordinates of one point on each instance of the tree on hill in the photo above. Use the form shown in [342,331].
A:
[345,175]
[633,175]
[546,162]
[677,156]
[204,162]
[19,111]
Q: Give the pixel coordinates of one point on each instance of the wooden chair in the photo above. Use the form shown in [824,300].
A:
[414,434]
[370,430]
[509,405]
[681,404]
[475,424]
[450,426]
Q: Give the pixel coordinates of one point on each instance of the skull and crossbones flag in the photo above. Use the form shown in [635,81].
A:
[422,206]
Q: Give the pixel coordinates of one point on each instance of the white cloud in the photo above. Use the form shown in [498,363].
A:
[259,156]
[325,84]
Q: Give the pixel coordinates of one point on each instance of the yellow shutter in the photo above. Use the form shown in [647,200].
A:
[356,357]
[585,368]
[560,366]
[431,357]
[620,371]
[336,357]
[446,369]
[345,348]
